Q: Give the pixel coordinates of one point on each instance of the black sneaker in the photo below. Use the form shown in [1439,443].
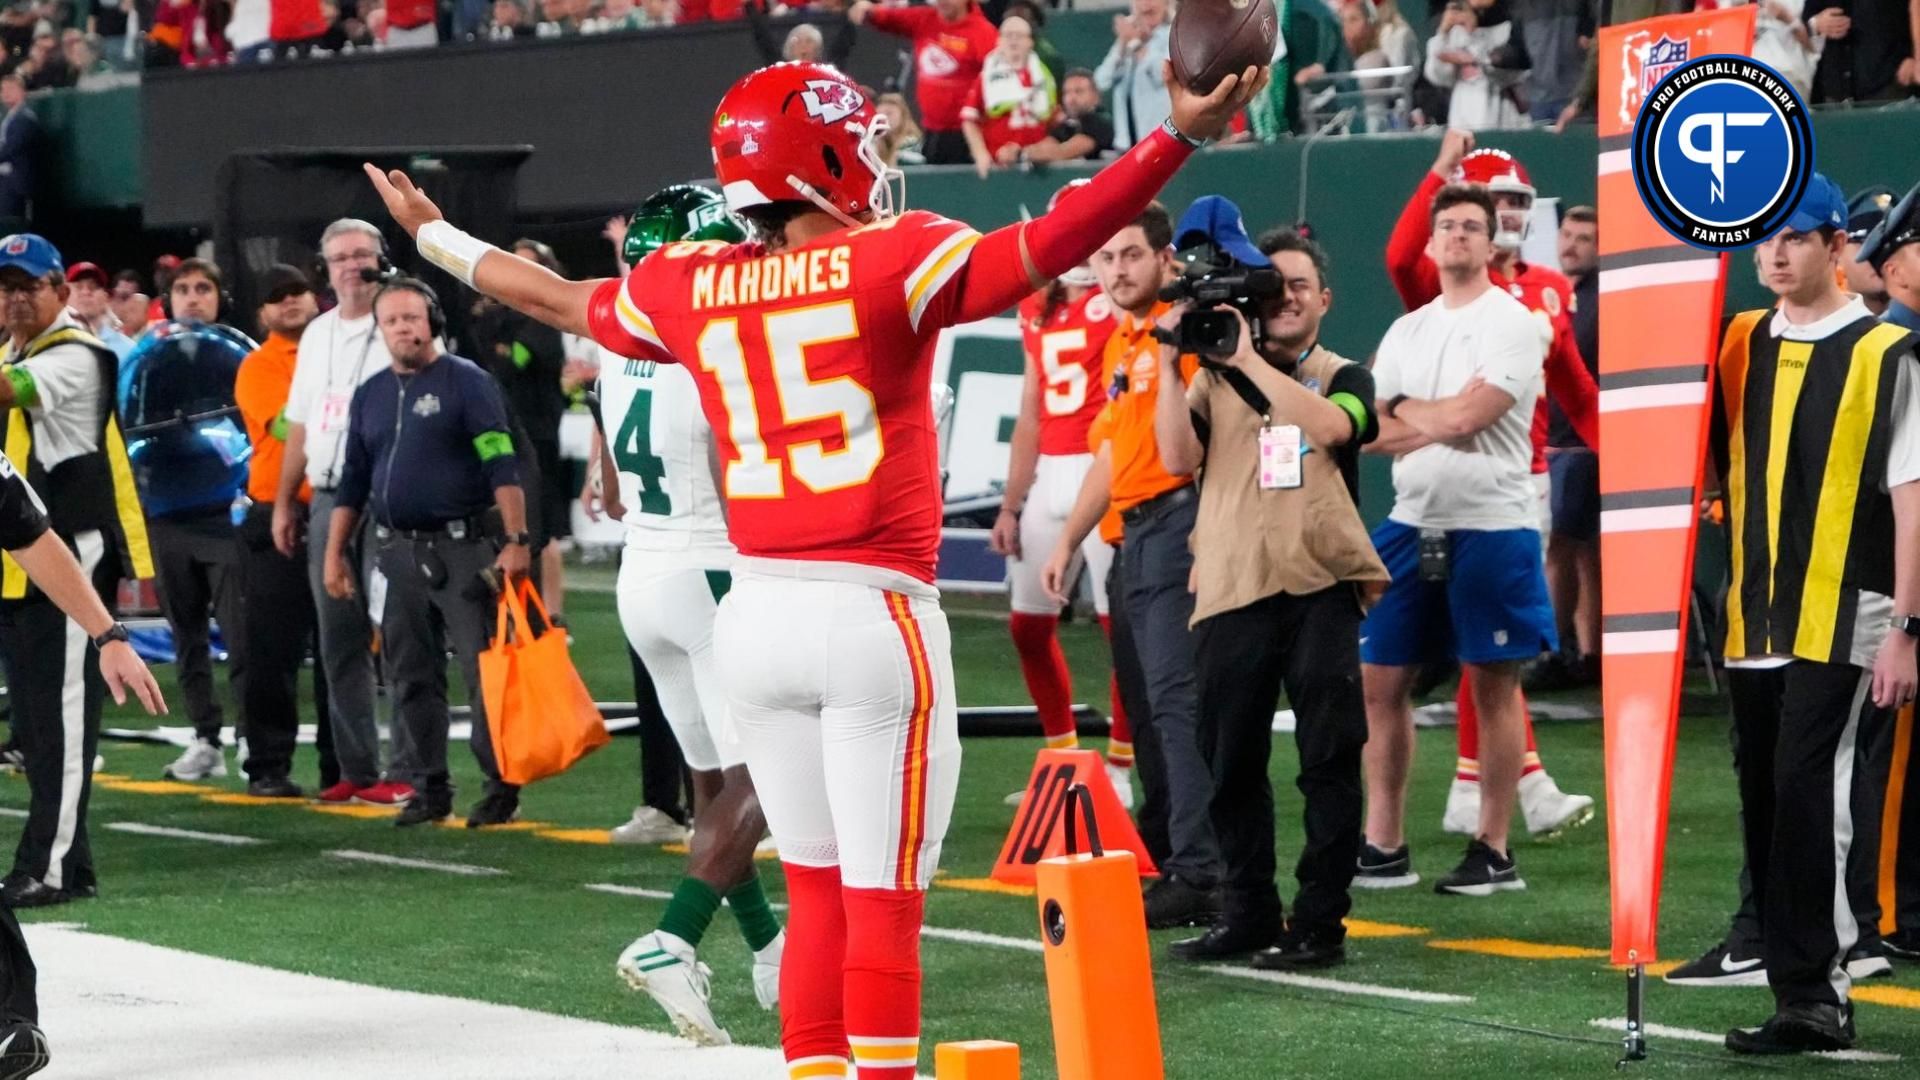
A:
[23,1050]
[274,787]
[21,891]
[1562,671]
[426,808]
[1904,944]
[1300,949]
[1797,1029]
[1384,869]
[498,807]
[1173,902]
[1482,872]
[1723,965]
[1228,940]
[11,759]
[1868,961]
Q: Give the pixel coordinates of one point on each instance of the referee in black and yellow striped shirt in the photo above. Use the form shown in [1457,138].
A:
[1817,431]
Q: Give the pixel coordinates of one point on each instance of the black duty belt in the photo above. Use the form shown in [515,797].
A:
[469,528]
[1159,504]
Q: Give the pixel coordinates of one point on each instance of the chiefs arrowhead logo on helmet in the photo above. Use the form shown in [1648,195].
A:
[829,101]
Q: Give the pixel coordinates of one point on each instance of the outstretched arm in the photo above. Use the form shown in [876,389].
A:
[526,287]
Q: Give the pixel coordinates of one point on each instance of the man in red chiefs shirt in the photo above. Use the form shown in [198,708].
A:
[410,24]
[1546,293]
[951,40]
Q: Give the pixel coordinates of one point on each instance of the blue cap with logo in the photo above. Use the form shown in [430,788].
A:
[1215,219]
[1823,203]
[30,252]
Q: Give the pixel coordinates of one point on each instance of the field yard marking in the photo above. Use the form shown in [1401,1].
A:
[576,836]
[1338,986]
[1899,997]
[141,828]
[235,798]
[1519,950]
[645,894]
[156,787]
[511,826]
[8,811]
[681,849]
[1364,928]
[1656,971]
[983,885]
[464,869]
[1618,1025]
[976,937]
[354,810]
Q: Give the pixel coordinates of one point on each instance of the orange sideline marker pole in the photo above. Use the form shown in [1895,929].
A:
[980,1059]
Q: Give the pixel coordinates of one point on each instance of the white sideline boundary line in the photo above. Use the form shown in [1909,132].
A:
[1618,1025]
[8,811]
[140,828]
[464,869]
[997,941]
[1339,986]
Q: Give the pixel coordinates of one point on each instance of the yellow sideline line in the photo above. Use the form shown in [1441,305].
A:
[1519,950]
[1899,997]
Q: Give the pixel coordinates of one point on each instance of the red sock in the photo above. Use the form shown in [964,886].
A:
[1467,732]
[1045,668]
[813,1032]
[883,982]
[1120,731]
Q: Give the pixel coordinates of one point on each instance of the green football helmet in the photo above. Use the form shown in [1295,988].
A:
[676,213]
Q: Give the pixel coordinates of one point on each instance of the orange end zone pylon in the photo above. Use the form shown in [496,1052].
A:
[1093,925]
[1036,832]
[982,1059]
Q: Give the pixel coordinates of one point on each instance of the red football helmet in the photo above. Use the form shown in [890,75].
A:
[802,131]
[1497,169]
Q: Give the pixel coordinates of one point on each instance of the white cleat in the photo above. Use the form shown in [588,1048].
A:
[1121,777]
[648,826]
[1550,811]
[664,968]
[766,972]
[1463,808]
[200,761]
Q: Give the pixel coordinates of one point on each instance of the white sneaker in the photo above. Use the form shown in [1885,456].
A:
[99,763]
[767,846]
[200,761]
[1548,809]
[766,972]
[665,969]
[1463,808]
[240,754]
[1121,777]
[648,826]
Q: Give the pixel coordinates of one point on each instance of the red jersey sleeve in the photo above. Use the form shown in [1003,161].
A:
[1571,386]
[1414,276]
[976,106]
[617,322]
[909,22]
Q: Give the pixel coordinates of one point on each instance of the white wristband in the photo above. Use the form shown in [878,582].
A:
[451,250]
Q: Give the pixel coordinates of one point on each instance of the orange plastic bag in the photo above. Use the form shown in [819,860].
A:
[539,712]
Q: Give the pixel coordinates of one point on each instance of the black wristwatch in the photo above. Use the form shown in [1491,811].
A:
[116,632]
[521,538]
[1393,404]
[1908,625]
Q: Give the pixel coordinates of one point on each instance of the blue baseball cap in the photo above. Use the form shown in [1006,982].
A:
[1214,219]
[30,252]
[1823,203]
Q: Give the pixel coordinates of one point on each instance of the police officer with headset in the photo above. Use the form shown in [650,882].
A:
[430,457]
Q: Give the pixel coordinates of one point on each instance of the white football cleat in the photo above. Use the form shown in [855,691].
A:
[1121,777]
[648,826]
[766,972]
[1463,808]
[664,968]
[1549,810]
[200,761]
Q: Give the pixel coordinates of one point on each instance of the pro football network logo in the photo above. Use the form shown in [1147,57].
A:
[1722,149]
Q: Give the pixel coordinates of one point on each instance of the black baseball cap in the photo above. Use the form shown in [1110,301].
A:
[1900,228]
[282,281]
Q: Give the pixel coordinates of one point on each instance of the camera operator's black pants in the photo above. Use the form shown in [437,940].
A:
[1799,726]
[1149,764]
[54,685]
[19,996]
[195,565]
[1311,645]
[420,620]
[279,621]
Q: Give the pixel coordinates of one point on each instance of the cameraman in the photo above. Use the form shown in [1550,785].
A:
[1279,554]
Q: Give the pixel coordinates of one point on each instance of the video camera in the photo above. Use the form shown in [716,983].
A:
[1209,277]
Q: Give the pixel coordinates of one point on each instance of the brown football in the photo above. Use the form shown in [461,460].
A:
[1212,39]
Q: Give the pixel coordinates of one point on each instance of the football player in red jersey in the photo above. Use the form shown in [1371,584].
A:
[812,348]
[1063,329]
[1547,293]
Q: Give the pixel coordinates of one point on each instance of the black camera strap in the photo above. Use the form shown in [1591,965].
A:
[1255,398]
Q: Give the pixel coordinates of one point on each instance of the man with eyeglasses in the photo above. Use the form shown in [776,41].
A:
[1457,381]
[339,350]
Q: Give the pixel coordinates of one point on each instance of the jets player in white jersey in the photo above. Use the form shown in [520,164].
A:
[673,572]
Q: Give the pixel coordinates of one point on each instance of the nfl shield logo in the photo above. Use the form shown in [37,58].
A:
[1662,57]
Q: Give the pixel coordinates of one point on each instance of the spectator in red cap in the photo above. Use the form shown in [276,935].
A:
[90,304]
[951,40]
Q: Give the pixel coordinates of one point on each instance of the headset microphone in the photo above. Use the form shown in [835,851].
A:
[371,276]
